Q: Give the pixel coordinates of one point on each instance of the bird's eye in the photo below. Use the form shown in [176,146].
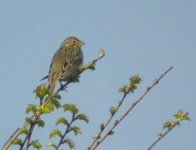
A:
[74,42]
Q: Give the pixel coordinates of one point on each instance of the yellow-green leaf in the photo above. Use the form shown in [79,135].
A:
[75,129]
[82,117]
[62,121]
[71,108]
[169,124]
[36,144]
[55,133]
[70,142]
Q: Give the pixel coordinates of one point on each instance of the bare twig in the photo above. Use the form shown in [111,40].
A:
[12,137]
[156,81]
[166,132]
[109,120]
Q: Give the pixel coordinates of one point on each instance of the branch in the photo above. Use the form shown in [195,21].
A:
[109,120]
[66,132]
[164,134]
[16,133]
[28,136]
[12,137]
[88,66]
[156,81]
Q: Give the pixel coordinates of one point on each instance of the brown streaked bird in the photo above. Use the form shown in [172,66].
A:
[65,62]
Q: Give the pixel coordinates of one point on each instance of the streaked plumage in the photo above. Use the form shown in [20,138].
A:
[65,62]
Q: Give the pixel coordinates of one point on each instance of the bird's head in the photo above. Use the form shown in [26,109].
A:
[73,42]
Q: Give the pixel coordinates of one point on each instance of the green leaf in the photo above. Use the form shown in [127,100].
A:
[179,115]
[131,87]
[70,143]
[113,110]
[122,89]
[31,108]
[169,124]
[82,117]
[51,144]
[55,102]
[55,133]
[16,141]
[40,123]
[41,91]
[187,118]
[28,120]
[24,131]
[82,68]
[136,79]
[62,121]
[57,96]
[48,107]
[71,108]
[75,129]
[36,144]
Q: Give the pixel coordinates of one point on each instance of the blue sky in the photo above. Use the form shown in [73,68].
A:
[139,37]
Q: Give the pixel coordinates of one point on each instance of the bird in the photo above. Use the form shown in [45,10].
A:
[65,62]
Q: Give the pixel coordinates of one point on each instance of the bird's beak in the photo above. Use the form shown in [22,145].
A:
[82,43]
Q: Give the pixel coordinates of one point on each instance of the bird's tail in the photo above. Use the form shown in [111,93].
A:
[44,78]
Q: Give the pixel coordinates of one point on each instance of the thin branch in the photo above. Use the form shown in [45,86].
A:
[28,136]
[88,66]
[164,134]
[107,123]
[156,81]
[12,137]
[16,134]
[66,132]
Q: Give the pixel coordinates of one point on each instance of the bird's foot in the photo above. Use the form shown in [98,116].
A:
[63,87]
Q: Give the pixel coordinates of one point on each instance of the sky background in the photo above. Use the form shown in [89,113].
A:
[139,37]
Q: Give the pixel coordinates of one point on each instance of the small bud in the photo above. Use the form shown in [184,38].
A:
[111,132]
[101,53]
[96,136]
[82,68]
[92,66]
[113,110]
[102,126]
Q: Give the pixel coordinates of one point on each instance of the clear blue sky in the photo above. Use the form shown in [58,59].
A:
[139,37]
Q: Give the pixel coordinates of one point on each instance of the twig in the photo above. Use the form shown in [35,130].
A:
[132,106]
[164,134]
[87,67]
[12,137]
[66,132]
[16,133]
[28,136]
[111,117]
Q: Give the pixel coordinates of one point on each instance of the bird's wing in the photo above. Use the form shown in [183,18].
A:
[68,66]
